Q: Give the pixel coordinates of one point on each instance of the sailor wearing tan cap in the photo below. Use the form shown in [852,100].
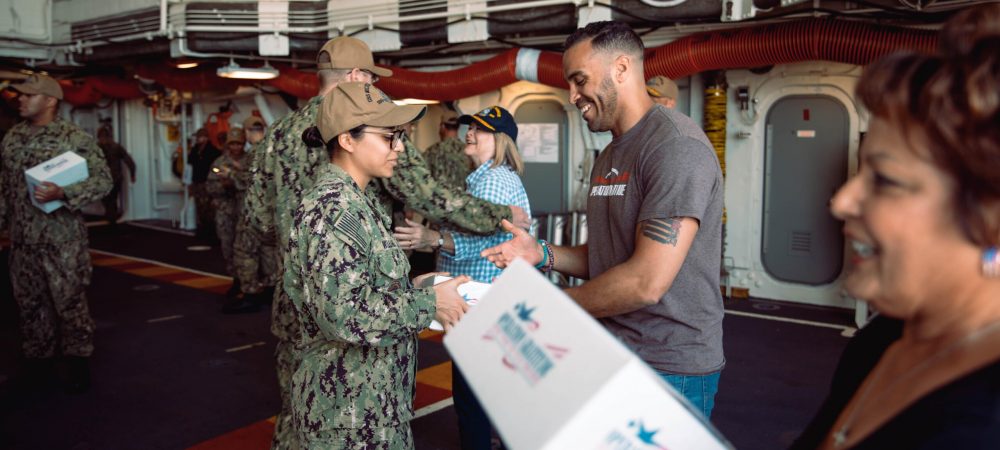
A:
[662,90]
[287,167]
[255,255]
[357,312]
[49,264]
[254,128]
[226,184]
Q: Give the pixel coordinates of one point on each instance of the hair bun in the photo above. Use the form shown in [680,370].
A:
[312,137]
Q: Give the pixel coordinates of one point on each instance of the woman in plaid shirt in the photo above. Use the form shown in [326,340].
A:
[490,142]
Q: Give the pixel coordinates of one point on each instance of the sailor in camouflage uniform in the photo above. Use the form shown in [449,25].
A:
[49,260]
[255,256]
[446,159]
[287,168]
[347,278]
[226,184]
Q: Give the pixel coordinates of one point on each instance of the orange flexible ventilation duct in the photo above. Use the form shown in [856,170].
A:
[843,41]
[295,82]
[474,79]
[805,40]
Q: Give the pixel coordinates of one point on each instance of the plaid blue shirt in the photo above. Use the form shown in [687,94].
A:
[500,185]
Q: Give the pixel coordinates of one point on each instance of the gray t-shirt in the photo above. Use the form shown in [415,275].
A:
[661,168]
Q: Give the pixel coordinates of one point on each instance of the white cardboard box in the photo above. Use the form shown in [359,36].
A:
[551,377]
[471,292]
[63,170]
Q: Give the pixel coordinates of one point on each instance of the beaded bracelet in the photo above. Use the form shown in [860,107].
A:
[545,255]
[552,258]
[548,257]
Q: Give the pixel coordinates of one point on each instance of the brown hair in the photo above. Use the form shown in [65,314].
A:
[953,99]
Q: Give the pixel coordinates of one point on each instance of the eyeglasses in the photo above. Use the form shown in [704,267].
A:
[396,137]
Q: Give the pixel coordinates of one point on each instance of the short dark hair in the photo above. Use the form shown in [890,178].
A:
[606,36]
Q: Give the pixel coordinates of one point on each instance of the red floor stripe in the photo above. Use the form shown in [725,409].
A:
[428,395]
[131,265]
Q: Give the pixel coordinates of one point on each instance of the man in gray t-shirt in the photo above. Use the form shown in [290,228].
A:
[655,219]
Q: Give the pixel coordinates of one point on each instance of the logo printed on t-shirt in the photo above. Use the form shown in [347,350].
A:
[610,185]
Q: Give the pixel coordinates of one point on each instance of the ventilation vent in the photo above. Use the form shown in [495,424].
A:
[801,243]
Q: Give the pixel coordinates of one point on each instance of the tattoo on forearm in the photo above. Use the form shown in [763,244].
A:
[664,231]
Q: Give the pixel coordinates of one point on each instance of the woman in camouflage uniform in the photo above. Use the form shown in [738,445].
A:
[346,276]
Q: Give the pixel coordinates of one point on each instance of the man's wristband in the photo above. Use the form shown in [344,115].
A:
[545,254]
[548,257]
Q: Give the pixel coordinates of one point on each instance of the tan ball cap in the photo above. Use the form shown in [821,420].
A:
[347,53]
[350,105]
[235,135]
[661,86]
[37,83]
[254,121]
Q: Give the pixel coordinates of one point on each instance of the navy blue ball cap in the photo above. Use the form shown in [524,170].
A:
[495,119]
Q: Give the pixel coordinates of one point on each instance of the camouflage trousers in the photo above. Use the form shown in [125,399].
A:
[387,438]
[255,258]
[225,228]
[50,283]
[284,433]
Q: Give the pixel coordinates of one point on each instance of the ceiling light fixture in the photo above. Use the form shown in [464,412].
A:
[187,64]
[233,70]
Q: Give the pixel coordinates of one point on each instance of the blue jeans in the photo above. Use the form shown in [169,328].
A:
[698,389]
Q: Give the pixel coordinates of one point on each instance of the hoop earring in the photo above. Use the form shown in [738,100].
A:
[991,263]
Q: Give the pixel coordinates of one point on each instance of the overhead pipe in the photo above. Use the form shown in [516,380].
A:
[474,79]
[805,40]
[295,82]
[484,76]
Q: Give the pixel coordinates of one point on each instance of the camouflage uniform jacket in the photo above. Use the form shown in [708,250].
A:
[448,162]
[283,169]
[358,313]
[227,196]
[243,176]
[412,184]
[26,146]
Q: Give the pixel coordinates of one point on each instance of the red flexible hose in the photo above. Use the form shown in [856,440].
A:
[474,79]
[295,82]
[843,41]
[806,40]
